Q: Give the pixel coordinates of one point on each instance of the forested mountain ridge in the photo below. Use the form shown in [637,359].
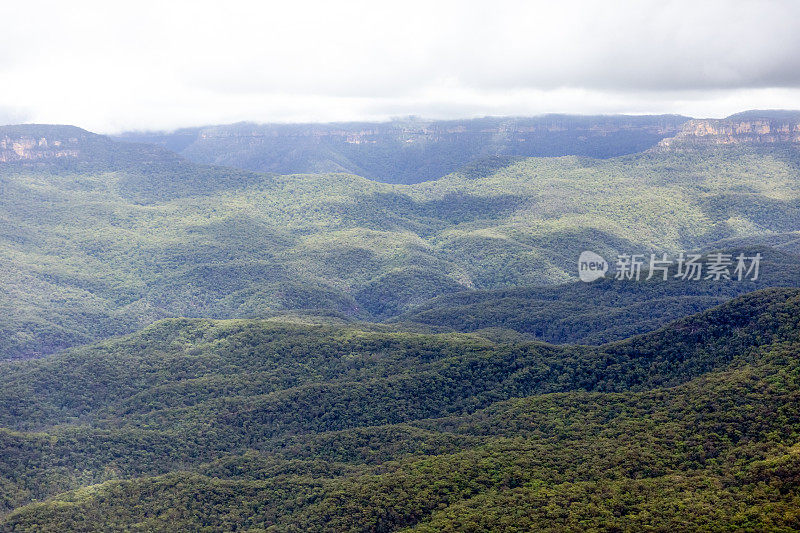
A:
[410,150]
[69,147]
[120,239]
[147,173]
[267,425]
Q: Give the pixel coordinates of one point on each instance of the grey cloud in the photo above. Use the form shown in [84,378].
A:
[613,45]
[160,64]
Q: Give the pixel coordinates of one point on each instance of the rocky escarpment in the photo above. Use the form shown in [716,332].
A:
[411,150]
[515,130]
[35,143]
[744,128]
[32,149]
[59,147]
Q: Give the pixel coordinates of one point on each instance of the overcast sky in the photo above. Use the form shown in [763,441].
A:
[110,66]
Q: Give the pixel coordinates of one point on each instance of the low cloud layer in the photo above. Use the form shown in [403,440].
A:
[160,65]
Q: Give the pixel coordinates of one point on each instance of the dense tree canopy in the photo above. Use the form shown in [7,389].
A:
[265,424]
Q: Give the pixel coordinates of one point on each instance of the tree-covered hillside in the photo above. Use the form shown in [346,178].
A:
[295,426]
[605,310]
[116,237]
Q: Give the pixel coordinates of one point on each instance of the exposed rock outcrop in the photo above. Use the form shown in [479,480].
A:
[26,148]
[37,143]
[744,128]
[411,150]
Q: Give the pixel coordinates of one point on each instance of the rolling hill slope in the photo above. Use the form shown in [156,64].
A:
[296,426]
[601,311]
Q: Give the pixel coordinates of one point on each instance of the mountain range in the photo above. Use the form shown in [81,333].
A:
[380,326]
[410,150]
[114,235]
[414,150]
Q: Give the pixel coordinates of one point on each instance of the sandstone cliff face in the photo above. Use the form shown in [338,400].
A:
[410,150]
[29,148]
[711,132]
[432,131]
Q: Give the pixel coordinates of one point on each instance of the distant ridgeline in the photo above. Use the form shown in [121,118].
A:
[413,150]
[147,172]
[68,147]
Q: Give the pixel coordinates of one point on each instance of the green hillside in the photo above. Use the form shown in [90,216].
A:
[291,426]
[125,234]
[605,310]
